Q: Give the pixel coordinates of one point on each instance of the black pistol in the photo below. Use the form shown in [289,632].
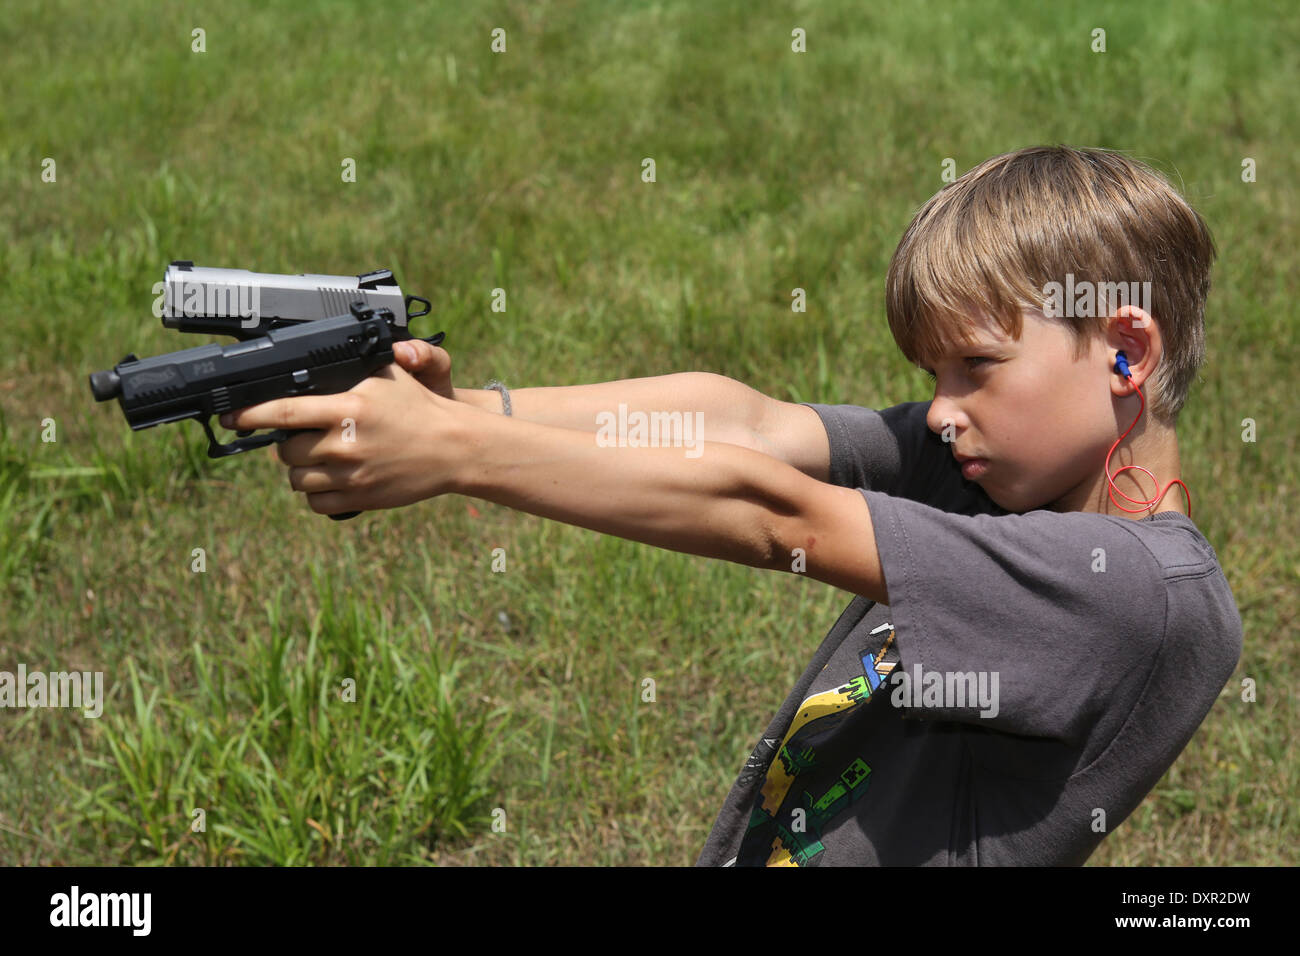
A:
[316,357]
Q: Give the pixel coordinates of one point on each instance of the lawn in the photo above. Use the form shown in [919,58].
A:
[498,716]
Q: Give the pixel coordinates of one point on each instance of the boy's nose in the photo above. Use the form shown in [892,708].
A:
[944,413]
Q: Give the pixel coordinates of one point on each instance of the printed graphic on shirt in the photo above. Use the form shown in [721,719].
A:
[795,836]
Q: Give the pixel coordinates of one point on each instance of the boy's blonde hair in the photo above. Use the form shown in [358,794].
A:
[992,241]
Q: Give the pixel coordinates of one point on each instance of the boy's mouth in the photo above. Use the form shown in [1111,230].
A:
[971,468]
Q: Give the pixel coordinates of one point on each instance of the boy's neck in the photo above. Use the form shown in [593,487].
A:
[1156,450]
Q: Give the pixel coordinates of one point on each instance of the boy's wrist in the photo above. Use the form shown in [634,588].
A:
[474,438]
[498,386]
[484,399]
[482,440]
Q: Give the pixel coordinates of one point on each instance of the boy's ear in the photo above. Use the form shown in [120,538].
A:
[1134,331]
[1135,317]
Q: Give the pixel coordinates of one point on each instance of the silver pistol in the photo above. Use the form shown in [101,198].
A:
[247,304]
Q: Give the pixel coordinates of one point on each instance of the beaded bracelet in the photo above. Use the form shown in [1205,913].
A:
[505,394]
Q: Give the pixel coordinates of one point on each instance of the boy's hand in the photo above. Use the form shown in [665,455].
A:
[402,443]
[429,364]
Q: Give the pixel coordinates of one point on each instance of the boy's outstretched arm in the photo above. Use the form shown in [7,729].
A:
[733,412]
[406,443]
[729,502]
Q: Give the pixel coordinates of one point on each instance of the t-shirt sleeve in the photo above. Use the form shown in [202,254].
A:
[893,450]
[1060,614]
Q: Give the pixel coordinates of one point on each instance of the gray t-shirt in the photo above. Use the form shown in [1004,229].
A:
[1057,664]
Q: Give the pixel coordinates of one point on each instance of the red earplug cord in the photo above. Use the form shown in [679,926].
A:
[1121,366]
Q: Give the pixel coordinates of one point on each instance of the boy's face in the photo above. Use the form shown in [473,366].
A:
[1042,420]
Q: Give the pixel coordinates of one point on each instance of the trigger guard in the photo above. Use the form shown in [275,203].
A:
[248,442]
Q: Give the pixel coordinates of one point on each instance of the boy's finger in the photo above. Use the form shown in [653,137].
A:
[413,355]
[305,411]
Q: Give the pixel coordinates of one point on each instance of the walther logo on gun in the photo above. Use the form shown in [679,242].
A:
[300,354]
[244,304]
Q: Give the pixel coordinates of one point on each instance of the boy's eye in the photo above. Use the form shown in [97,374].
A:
[972,361]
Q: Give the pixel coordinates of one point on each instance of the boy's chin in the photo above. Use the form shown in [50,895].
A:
[1015,500]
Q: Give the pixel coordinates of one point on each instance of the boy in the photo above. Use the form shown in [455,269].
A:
[1026,654]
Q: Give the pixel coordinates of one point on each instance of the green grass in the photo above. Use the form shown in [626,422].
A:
[296,768]
[519,691]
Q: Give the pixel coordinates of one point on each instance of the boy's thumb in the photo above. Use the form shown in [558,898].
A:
[430,365]
[410,355]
